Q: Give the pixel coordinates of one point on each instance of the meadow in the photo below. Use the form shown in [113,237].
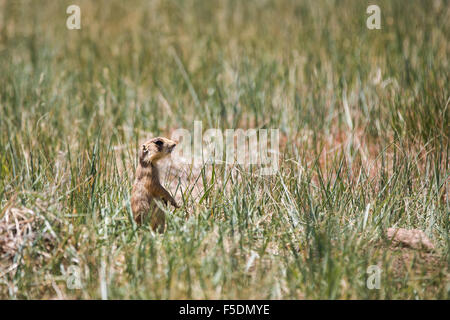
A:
[364,146]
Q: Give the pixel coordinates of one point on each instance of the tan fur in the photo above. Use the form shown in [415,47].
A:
[147,187]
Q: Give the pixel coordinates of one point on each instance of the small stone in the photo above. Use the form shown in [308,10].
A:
[413,238]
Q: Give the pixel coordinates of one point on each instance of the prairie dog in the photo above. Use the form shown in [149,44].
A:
[147,186]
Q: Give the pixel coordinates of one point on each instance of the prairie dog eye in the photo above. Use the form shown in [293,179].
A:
[159,143]
[144,147]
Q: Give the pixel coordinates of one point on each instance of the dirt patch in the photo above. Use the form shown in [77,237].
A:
[413,257]
[418,263]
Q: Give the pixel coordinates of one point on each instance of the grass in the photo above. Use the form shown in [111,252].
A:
[364,122]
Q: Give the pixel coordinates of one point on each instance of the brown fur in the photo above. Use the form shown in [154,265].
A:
[147,187]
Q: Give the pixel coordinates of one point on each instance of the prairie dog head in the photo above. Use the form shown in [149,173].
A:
[155,149]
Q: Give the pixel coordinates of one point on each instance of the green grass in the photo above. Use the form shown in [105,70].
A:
[364,121]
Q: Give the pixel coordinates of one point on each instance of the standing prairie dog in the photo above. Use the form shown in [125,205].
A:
[147,187]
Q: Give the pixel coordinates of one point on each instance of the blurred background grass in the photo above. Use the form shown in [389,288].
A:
[363,116]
